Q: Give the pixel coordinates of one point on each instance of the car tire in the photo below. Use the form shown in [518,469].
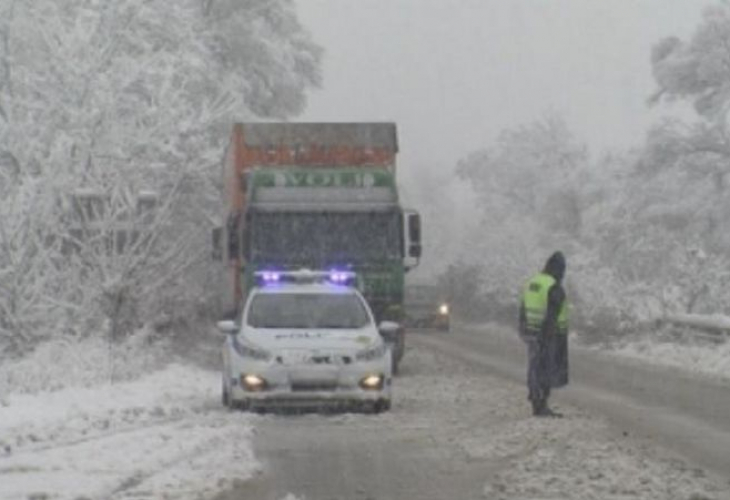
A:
[381,406]
[240,405]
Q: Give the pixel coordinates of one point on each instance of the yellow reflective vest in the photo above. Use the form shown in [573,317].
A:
[535,301]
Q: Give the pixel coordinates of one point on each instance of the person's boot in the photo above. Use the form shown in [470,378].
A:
[548,412]
[538,407]
[541,409]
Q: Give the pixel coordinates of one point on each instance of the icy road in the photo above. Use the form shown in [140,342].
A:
[460,429]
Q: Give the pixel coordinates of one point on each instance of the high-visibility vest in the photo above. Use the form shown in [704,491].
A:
[535,300]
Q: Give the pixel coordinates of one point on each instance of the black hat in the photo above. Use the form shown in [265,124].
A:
[555,266]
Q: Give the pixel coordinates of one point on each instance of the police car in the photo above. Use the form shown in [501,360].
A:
[306,339]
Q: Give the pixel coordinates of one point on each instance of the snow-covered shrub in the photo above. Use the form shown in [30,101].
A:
[66,361]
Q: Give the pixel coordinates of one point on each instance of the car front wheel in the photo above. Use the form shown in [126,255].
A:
[381,406]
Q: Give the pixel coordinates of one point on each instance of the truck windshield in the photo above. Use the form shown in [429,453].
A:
[324,238]
[299,310]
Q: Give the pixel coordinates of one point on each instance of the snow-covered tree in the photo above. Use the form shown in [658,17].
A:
[527,165]
[126,97]
[697,70]
[526,187]
[148,83]
[26,266]
[646,232]
[681,177]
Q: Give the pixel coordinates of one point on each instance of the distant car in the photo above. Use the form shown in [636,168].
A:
[306,340]
[426,307]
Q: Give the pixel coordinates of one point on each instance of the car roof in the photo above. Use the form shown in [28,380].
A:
[305,288]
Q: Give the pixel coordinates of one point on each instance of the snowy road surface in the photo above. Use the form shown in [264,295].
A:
[161,436]
[460,428]
[684,411]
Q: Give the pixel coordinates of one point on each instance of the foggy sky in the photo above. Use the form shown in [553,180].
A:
[453,73]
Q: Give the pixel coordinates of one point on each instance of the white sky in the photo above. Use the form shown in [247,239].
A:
[453,73]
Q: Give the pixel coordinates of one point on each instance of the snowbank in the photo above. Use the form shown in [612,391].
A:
[709,321]
[712,360]
[161,436]
[701,357]
[69,362]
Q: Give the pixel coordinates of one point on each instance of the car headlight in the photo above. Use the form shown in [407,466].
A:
[373,353]
[248,351]
[444,309]
[372,382]
[253,383]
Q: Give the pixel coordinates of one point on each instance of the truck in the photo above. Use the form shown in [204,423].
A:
[320,196]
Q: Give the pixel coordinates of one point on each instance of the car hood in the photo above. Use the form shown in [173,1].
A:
[274,339]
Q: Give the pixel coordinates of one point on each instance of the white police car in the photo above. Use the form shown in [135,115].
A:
[306,339]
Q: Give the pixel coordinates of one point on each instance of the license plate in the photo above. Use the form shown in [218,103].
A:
[296,357]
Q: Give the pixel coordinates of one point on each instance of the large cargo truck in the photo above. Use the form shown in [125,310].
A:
[318,196]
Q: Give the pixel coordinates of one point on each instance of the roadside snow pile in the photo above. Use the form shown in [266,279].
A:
[709,321]
[711,360]
[699,357]
[161,436]
[68,362]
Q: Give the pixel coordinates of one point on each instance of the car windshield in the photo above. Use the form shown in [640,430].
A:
[307,310]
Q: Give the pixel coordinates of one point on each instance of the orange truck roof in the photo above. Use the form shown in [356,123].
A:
[311,145]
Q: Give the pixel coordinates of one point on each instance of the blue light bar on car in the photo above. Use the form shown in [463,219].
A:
[269,276]
[341,277]
[334,276]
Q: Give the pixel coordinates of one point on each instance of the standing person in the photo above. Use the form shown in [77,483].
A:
[544,328]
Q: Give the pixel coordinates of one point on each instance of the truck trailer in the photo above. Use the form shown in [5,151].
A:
[319,196]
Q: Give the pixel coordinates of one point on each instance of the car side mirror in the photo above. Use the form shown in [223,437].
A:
[388,329]
[227,326]
[412,250]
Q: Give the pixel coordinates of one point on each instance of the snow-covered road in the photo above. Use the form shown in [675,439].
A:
[461,429]
[686,411]
[161,436]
